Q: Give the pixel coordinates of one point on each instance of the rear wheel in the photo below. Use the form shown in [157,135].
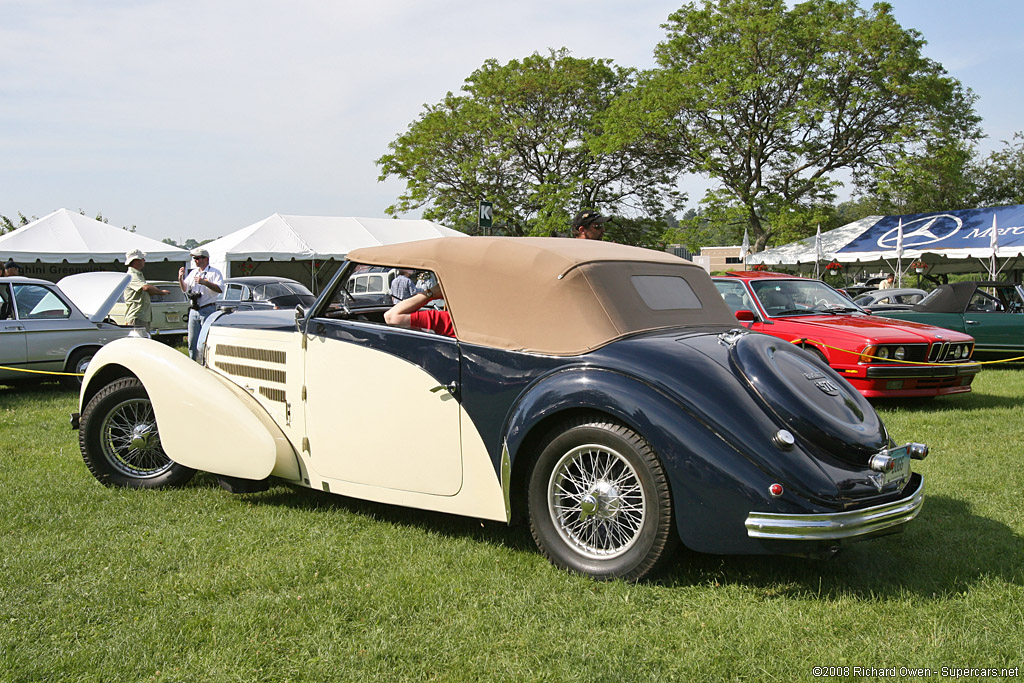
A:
[77,363]
[600,503]
[120,443]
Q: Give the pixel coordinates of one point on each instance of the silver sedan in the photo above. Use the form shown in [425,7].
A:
[46,328]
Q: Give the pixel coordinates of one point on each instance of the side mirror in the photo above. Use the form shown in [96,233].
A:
[300,314]
[745,316]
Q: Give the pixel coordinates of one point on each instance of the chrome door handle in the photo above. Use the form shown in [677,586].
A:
[451,388]
[971,322]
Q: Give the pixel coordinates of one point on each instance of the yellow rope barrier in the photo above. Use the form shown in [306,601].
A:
[43,372]
[810,342]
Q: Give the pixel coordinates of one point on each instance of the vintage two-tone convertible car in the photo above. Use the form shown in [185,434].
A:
[602,392]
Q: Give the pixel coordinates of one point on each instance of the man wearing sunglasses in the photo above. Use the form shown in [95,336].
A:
[589,225]
[202,285]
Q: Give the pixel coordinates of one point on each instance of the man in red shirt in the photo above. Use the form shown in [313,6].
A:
[407,314]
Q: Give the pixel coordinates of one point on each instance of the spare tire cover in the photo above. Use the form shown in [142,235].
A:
[818,404]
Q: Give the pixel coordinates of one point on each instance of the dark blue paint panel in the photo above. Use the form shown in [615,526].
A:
[436,354]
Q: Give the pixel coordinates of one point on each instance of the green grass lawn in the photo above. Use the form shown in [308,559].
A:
[195,584]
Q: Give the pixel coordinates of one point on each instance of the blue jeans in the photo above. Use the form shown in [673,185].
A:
[195,324]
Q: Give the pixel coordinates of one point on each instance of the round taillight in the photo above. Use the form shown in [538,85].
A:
[775,490]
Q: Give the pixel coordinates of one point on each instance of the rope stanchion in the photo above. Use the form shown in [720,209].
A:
[43,372]
[809,342]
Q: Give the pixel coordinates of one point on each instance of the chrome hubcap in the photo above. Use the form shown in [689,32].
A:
[596,501]
[130,440]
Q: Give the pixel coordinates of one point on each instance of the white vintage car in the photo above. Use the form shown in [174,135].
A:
[602,392]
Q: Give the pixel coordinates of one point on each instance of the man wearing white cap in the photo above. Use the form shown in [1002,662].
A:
[202,285]
[138,312]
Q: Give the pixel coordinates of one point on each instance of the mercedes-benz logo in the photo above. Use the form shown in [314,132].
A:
[922,231]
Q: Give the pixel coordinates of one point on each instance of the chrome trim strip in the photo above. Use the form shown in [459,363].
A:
[506,481]
[835,525]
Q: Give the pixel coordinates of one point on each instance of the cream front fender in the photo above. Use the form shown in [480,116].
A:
[205,422]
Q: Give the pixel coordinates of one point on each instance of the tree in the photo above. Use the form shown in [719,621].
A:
[771,101]
[941,176]
[520,135]
[1001,175]
[7,225]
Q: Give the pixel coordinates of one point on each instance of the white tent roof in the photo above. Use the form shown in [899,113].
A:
[804,251]
[311,237]
[68,236]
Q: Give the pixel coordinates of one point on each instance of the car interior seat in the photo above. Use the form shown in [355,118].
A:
[775,301]
[733,301]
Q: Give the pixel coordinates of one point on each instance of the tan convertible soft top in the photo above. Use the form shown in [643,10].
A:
[552,295]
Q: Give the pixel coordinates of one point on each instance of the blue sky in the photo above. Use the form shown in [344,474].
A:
[194,118]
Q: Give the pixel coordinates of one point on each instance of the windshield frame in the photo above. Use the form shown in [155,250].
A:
[800,297]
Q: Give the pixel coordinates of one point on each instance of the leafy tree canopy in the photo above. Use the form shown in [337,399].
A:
[771,101]
[8,225]
[1001,175]
[520,134]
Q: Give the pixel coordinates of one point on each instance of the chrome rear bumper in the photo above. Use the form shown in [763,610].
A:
[836,525]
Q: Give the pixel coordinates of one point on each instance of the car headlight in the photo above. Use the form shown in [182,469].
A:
[900,353]
[883,352]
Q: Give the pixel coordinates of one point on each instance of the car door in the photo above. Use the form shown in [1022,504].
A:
[381,406]
[12,334]
[50,326]
[992,325]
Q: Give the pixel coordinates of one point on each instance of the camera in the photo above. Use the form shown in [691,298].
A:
[193,300]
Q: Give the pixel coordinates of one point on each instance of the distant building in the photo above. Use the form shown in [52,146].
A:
[715,259]
[680,251]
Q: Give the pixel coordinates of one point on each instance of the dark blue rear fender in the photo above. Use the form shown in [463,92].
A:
[714,486]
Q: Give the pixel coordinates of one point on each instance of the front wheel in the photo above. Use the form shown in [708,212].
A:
[600,502]
[120,443]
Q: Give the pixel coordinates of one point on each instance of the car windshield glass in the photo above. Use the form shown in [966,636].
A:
[734,294]
[296,288]
[173,295]
[270,291]
[800,297]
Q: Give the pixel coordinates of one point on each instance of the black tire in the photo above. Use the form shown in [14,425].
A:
[77,362]
[120,442]
[814,351]
[600,503]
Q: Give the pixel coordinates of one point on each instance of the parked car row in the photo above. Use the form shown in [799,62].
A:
[991,312]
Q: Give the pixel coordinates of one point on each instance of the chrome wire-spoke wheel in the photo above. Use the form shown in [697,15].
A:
[596,501]
[120,440]
[130,441]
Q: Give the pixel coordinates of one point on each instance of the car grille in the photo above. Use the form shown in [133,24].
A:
[949,352]
[226,359]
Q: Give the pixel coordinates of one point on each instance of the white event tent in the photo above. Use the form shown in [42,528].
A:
[310,248]
[64,243]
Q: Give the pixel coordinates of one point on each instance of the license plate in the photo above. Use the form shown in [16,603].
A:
[901,469]
[173,317]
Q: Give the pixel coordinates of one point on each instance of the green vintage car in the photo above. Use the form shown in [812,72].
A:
[991,312]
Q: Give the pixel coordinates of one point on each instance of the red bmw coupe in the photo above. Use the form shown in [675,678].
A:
[879,358]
